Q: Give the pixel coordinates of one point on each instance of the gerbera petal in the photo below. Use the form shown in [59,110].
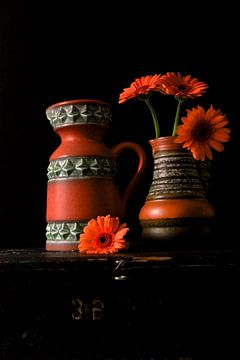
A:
[95,226]
[221,136]
[208,151]
[195,150]
[126,95]
[92,228]
[179,140]
[183,134]
[221,124]
[115,224]
[202,154]
[215,118]
[120,234]
[82,248]
[225,130]
[101,222]
[211,112]
[123,225]
[111,224]
[91,251]
[120,245]
[216,145]
[188,143]
[106,226]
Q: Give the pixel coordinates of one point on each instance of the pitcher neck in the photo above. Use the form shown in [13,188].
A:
[82,132]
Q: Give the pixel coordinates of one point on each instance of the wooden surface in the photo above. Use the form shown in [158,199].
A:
[39,259]
[159,306]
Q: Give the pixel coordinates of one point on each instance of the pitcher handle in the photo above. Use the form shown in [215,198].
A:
[117,151]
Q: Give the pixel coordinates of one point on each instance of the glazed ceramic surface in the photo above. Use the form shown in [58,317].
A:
[176,205]
[81,171]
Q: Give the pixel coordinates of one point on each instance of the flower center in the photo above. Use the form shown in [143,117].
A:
[202,132]
[104,240]
[182,87]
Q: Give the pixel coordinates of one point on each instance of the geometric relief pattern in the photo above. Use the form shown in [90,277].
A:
[79,114]
[67,231]
[78,167]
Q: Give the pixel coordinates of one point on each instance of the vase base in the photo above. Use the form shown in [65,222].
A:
[61,246]
[176,231]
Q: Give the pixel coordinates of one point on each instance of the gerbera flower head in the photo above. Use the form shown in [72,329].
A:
[103,235]
[140,87]
[182,87]
[202,131]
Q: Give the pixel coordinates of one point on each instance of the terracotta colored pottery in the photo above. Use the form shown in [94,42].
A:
[81,183]
[176,205]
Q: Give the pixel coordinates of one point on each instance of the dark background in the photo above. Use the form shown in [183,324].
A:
[51,52]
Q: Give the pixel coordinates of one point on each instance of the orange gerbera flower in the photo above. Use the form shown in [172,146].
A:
[141,86]
[202,131]
[182,87]
[103,235]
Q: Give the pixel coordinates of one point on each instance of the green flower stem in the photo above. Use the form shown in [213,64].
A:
[176,121]
[155,119]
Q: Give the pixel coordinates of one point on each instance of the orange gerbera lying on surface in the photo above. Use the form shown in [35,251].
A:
[103,235]
[202,131]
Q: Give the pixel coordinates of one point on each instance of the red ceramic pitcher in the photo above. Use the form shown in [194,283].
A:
[81,172]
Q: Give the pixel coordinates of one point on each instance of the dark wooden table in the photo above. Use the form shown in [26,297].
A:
[161,305]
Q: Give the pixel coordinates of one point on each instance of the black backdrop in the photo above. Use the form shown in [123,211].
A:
[51,52]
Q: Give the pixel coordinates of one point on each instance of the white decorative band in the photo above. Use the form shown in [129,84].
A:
[78,167]
[70,114]
[66,232]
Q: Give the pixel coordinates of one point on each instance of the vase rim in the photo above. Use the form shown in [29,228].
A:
[85,111]
[78,101]
[164,143]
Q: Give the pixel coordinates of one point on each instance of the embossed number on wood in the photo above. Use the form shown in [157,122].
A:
[87,310]
[77,312]
[97,309]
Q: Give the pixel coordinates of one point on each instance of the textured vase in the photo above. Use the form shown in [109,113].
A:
[81,173]
[176,206]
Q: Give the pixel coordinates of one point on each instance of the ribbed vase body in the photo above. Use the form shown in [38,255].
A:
[176,205]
